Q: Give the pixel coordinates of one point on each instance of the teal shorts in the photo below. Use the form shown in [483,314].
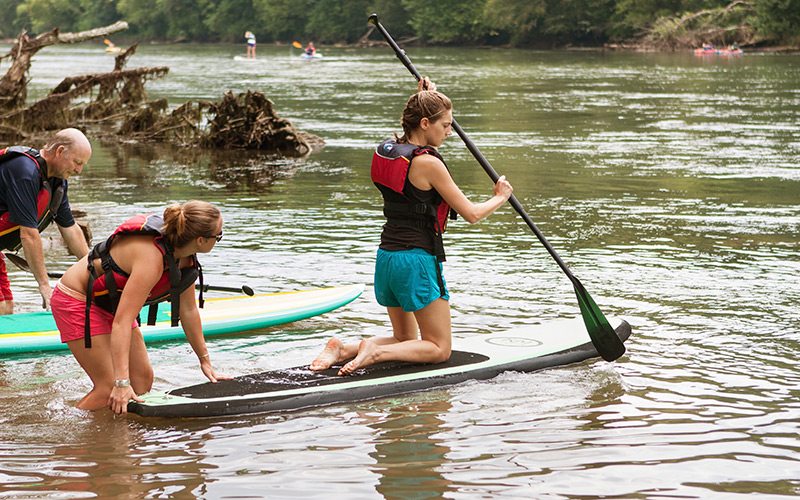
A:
[408,279]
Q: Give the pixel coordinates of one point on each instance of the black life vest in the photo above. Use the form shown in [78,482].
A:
[51,192]
[105,290]
[391,163]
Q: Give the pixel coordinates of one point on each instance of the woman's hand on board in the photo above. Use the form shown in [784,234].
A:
[210,373]
[118,400]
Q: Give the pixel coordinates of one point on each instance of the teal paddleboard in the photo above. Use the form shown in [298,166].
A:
[35,332]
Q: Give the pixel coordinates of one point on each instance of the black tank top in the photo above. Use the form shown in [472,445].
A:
[396,237]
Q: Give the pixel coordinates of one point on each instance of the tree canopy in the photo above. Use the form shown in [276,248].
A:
[522,23]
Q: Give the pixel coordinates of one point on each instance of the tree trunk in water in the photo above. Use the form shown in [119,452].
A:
[14,84]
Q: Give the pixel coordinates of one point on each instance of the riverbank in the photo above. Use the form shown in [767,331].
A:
[416,42]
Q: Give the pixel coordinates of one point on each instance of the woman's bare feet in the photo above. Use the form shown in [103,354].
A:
[367,351]
[329,356]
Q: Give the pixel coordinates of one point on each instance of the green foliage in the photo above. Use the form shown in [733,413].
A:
[144,17]
[343,21]
[448,21]
[514,22]
[95,13]
[394,16]
[724,25]
[778,20]
[527,22]
[518,20]
[577,21]
[632,17]
[185,19]
[229,19]
[282,19]
[48,14]
[10,23]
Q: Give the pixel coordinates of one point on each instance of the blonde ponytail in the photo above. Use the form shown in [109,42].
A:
[185,222]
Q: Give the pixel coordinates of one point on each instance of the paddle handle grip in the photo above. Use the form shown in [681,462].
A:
[243,289]
[476,153]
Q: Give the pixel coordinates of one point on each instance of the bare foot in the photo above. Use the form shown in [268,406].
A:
[329,356]
[365,357]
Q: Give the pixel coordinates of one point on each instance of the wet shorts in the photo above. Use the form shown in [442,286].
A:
[5,284]
[69,311]
[407,279]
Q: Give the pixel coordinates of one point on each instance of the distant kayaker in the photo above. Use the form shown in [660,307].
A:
[33,194]
[419,194]
[310,49]
[251,44]
[147,259]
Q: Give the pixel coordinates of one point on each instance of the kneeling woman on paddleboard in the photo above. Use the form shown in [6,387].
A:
[148,259]
[419,194]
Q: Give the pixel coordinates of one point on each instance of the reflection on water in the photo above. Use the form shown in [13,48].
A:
[409,454]
[669,185]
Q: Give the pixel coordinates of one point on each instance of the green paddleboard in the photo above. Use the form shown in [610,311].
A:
[35,332]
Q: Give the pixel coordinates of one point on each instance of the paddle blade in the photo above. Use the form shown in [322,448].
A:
[604,338]
[18,261]
[297,45]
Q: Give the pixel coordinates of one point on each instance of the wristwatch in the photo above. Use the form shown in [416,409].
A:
[123,382]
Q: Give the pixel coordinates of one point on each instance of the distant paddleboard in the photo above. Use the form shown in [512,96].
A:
[244,58]
[479,357]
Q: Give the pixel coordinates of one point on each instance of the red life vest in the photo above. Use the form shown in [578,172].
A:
[47,201]
[106,289]
[391,163]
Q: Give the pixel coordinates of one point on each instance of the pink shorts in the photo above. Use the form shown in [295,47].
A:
[5,284]
[69,311]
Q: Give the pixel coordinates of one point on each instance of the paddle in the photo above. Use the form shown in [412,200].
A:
[23,264]
[297,45]
[603,337]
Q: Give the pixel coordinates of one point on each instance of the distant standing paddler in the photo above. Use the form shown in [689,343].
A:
[251,44]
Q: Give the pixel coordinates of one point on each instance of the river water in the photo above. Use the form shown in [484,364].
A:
[670,184]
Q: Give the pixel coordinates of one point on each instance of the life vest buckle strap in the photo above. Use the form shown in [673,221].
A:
[422,208]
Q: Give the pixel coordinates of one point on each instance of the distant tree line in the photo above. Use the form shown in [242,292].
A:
[521,23]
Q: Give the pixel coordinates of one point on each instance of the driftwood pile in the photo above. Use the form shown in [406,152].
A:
[243,121]
[117,103]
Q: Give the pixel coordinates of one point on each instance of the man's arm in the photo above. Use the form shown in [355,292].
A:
[32,245]
[73,237]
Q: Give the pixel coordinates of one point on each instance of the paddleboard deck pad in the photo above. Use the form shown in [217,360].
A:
[34,332]
[478,357]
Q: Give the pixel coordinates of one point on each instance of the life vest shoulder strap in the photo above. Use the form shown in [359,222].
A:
[10,152]
[48,201]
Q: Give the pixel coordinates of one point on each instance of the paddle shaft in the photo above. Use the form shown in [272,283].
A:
[484,163]
[23,264]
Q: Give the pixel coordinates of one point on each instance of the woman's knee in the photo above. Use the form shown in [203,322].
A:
[443,354]
[143,381]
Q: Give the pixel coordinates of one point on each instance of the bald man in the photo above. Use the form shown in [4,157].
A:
[33,193]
